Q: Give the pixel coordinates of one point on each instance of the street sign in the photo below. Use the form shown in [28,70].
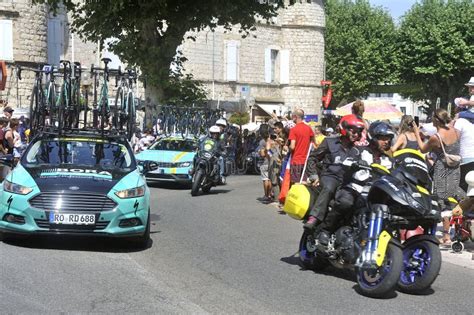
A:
[245,91]
[309,118]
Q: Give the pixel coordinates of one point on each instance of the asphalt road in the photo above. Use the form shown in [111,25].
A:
[220,253]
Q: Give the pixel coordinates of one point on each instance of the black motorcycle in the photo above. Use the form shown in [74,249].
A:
[206,168]
[369,240]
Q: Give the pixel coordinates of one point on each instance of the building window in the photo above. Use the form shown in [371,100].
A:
[274,57]
[55,40]
[6,40]
[403,109]
[232,61]
[271,65]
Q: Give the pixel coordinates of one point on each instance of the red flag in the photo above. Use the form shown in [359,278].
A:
[285,184]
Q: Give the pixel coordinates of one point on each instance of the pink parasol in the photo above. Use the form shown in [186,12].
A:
[374,110]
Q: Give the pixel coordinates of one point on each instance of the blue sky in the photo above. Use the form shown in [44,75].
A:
[396,7]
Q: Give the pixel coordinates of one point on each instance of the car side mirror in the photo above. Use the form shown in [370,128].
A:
[149,166]
[7,160]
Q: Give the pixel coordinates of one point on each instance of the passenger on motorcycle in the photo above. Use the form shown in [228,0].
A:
[348,197]
[331,153]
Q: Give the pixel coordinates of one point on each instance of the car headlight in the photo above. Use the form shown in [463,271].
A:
[16,188]
[131,193]
[184,164]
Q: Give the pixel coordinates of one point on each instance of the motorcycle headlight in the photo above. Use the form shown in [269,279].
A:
[131,193]
[16,188]
[184,164]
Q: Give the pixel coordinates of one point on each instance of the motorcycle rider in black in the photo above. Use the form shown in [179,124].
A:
[214,140]
[330,155]
[348,197]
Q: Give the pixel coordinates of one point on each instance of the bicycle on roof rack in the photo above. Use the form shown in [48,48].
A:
[56,104]
[125,107]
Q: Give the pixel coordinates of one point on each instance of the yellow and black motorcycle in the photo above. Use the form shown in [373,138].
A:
[369,241]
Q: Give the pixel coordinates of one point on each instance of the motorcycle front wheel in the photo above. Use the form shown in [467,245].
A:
[309,258]
[197,179]
[381,281]
[421,265]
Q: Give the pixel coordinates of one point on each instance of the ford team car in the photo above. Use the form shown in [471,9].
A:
[174,156]
[79,184]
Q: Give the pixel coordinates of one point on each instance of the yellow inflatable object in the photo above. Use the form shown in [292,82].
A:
[297,201]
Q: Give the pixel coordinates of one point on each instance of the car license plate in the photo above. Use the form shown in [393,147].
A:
[71,218]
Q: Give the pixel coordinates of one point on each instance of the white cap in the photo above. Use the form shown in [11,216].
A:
[470,83]
[428,129]
[329,129]
[215,129]
[221,122]
[470,183]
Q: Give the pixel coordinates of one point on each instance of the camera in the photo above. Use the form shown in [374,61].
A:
[273,137]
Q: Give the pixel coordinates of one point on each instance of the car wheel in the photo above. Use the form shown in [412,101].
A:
[141,242]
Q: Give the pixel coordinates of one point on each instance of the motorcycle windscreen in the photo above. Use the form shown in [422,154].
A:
[413,165]
[208,145]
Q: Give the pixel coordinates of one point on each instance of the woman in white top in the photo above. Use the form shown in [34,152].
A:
[466,139]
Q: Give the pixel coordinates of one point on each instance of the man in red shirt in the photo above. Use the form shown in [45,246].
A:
[301,136]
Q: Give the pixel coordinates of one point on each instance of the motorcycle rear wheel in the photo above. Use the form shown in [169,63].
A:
[309,259]
[197,182]
[382,281]
[421,265]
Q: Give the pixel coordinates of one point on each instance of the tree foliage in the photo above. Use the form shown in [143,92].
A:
[360,48]
[147,33]
[239,118]
[436,48]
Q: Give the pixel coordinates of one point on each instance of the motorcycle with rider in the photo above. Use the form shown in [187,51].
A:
[369,199]
[206,169]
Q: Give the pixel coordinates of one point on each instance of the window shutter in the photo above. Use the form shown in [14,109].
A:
[55,41]
[6,40]
[268,65]
[232,61]
[284,66]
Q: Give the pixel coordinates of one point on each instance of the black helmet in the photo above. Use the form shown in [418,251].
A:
[380,128]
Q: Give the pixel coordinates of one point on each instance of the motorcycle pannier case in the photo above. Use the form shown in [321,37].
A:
[297,201]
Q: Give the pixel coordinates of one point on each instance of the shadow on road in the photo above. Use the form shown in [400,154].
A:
[169,185]
[79,243]
[219,191]
[390,296]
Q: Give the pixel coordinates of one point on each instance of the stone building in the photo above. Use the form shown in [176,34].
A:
[31,36]
[276,69]
[23,40]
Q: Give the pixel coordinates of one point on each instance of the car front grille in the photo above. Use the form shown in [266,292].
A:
[167,176]
[72,202]
[168,164]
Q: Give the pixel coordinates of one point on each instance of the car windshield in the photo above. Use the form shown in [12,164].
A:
[174,145]
[95,153]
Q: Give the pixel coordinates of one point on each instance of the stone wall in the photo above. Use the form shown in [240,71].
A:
[29,46]
[298,29]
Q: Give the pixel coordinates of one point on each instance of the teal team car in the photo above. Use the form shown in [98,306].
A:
[174,156]
[79,184]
